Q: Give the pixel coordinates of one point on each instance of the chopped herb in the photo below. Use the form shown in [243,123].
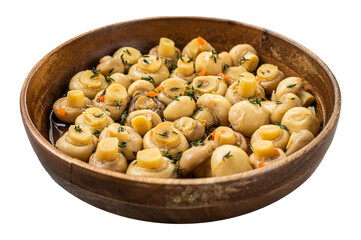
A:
[122,152]
[99,115]
[268,71]
[145,61]
[135,154]
[241,75]
[292,85]
[228,155]
[145,56]
[123,118]
[174,132]
[96,132]
[135,162]
[108,79]
[123,60]
[122,144]
[173,66]
[107,110]
[103,93]
[118,103]
[176,98]
[243,60]
[127,51]
[165,134]
[120,129]
[293,98]
[281,126]
[198,143]
[225,66]
[174,88]
[262,72]
[95,73]
[78,128]
[149,78]
[214,55]
[199,85]
[111,70]
[255,101]
[181,58]
[278,102]
[177,170]
[190,60]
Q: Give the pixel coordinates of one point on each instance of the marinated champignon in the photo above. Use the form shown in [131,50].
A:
[196,156]
[264,153]
[130,142]
[68,108]
[278,136]
[140,86]
[128,55]
[246,117]
[181,107]
[233,73]
[228,160]
[121,79]
[204,170]
[150,68]
[192,129]
[89,81]
[77,142]
[246,87]
[94,119]
[209,84]
[166,51]
[245,55]
[286,102]
[151,163]
[141,101]
[112,100]
[167,138]
[213,110]
[108,157]
[184,70]
[226,59]
[300,118]
[269,76]
[226,136]
[269,106]
[298,141]
[209,62]
[195,47]
[109,65]
[293,85]
[142,120]
[170,89]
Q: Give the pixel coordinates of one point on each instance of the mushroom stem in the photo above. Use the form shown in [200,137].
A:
[75,99]
[166,48]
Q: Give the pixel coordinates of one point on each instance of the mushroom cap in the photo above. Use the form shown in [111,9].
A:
[228,160]
[192,129]
[165,171]
[300,118]
[149,114]
[195,156]
[118,165]
[298,140]
[218,105]
[109,65]
[269,77]
[195,47]
[238,51]
[288,101]
[246,117]
[140,86]
[152,103]
[209,62]
[183,107]
[167,61]
[209,84]
[171,88]
[71,113]
[278,141]
[121,79]
[232,73]
[90,85]
[288,85]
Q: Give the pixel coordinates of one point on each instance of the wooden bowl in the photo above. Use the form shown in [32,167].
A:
[175,200]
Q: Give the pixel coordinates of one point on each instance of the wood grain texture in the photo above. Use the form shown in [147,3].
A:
[176,200]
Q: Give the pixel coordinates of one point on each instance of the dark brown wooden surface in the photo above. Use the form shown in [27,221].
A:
[175,200]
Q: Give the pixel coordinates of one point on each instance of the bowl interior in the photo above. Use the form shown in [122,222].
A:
[50,78]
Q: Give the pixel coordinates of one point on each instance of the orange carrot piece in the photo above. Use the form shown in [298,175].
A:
[213,102]
[201,40]
[202,73]
[151,133]
[159,89]
[61,111]
[258,80]
[101,98]
[204,122]
[151,94]
[277,153]
[213,134]
[260,164]
[223,76]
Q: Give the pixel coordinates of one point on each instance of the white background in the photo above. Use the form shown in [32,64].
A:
[33,206]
